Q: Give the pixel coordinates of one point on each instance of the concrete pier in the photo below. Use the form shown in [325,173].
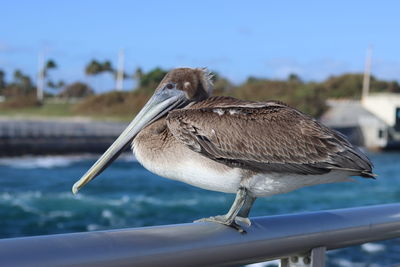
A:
[56,136]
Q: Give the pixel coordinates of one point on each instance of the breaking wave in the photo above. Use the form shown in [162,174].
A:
[48,162]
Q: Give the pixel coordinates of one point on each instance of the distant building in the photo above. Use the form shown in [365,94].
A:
[373,122]
[386,107]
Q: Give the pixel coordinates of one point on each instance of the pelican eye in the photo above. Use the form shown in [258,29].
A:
[170,86]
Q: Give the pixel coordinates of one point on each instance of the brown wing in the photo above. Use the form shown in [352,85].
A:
[264,136]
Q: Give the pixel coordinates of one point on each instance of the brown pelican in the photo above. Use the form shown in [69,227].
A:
[253,149]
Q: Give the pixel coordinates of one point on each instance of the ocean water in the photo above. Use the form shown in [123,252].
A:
[36,199]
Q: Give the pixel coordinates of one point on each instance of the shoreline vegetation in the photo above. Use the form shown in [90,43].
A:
[79,99]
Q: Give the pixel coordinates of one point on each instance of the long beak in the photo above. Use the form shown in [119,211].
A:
[160,103]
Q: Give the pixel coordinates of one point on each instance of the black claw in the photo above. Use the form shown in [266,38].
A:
[237,227]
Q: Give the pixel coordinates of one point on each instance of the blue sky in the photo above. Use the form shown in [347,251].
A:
[314,39]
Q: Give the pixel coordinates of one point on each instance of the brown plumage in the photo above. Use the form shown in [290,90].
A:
[264,137]
[194,82]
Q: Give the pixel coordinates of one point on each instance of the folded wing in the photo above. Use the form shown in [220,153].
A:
[264,136]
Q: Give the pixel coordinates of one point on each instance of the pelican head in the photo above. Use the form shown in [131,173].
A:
[179,87]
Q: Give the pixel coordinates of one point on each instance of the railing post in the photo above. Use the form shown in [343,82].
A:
[318,257]
[314,258]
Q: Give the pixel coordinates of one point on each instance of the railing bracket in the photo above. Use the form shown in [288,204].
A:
[314,258]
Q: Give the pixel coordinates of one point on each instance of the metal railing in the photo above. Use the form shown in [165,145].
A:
[304,236]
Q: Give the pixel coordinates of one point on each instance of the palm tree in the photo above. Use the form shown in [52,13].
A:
[23,83]
[95,68]
[137,76]
[51,64]
[2,80]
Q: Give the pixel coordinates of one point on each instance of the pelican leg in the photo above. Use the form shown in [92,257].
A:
[229,218]
[243,215]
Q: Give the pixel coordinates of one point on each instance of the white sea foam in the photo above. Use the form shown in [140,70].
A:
[137,199]
[47,162]
[59,214]
[93,227]
[165,203]
[23,201]
[118,202]
[128,157]
[372,247]
[32,202]
[5,196]
[107,214]
[346,263]
[27,202]
[97,201]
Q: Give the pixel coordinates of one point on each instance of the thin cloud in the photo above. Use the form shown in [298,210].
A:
[212,61]
[312,70]
[7,48]
[245,31]
[4,47]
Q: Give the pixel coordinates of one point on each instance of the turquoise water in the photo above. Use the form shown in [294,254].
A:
[35,199]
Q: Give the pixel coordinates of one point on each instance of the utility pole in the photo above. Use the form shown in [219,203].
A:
[367,74]
[120,72]
[40,78]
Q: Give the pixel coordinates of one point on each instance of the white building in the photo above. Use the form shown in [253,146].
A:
[385,106]
[373,122]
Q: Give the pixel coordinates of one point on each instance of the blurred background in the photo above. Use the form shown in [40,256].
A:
[73,74]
